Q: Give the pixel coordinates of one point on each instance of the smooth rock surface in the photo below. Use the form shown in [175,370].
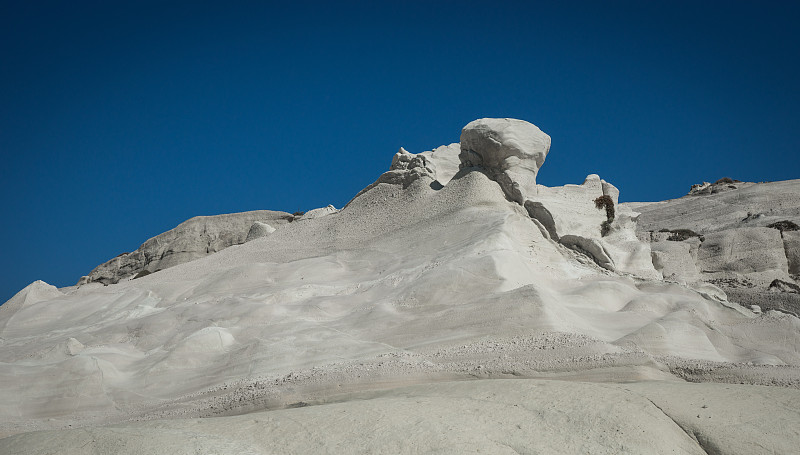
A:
[361,320]
[259,229]
[445,159]
[774,201]
[791,244]
[675,261]
[317,213]
[726,214]
[743,250]
[511,151]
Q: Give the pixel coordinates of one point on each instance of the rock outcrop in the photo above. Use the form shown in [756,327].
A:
[318,213]
[677,261]
[406,169]
[743,250]
[259,229]
[192,239]
[445,161]
[736,235]
[510,151]
[431,273]
[791,244]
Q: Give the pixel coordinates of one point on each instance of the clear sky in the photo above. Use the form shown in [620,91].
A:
[119,120]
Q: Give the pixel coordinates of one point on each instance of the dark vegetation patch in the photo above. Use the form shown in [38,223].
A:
[784,286]
[679,235]
[728,283]
[605,202]
[752,216]
[784,225]
[726,180]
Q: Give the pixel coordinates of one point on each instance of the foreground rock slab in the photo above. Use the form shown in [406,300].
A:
[485,416]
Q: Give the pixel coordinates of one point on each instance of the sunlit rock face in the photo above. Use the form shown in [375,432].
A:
[511,151]
[743,250]
[190,240]
[739,236]
[259,229]
[453,264]
[407,168]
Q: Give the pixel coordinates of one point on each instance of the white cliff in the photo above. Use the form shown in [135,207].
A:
[388,321]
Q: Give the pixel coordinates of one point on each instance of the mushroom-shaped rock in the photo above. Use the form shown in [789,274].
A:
[511,151]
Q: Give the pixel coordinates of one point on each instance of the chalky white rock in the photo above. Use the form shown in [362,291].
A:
[437,311]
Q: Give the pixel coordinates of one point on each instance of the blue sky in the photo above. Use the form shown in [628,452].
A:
[119,121]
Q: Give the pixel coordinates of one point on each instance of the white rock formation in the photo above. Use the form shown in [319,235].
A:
[413,282]
[406,169]
[190,240]
[510,151]
[791,244]
[445,160]
[725,228]
[318,213]
[257,230]
[676,261]
[743,250]
[748,205]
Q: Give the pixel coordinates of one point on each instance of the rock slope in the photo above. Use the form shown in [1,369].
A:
[192,239]
[434,273]
[740,236]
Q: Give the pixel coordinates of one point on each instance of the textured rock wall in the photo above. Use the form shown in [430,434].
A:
[743,250]
[735,249]
[192,239]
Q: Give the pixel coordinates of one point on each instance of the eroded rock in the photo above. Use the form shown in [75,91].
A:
[259,229]
[192,239]
[791,245]
[446,162]
[743,250]
[316,213]
[510,151]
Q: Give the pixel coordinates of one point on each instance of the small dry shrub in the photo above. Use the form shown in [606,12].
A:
[607,203]
[679,235]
